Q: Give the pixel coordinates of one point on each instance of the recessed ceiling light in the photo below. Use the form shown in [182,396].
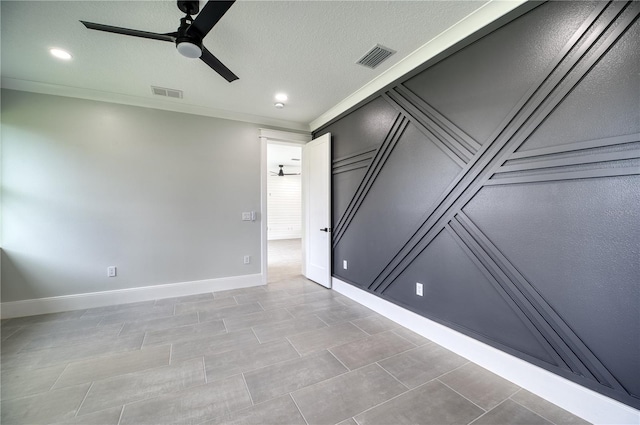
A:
[281,97]
[60,54]
[279,105]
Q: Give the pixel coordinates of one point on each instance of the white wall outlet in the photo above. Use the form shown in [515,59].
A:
[247,259]
[111,271]
[246,216]
[344,264]
[419,291]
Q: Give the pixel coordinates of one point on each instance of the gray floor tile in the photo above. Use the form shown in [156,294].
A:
[375,324]
[370,349]
[87,335]
[140,306]
[211,304]
[43,328]
[547,410]
[20,382]
[324,338]
[262,297]
[184,333]
[240,291]
[243,339]
[139,313]
[68,353]
[282,378]
[232,311]
[136,386]
[230,363]
[279,411]
[42,318]
[103,417]
[255,319]
[344,314]
[270,332]
[191,406]
[430,404]
[511,413]
[349,421]
[113,365]
[299,286]
[411,336]
[159,324]
[45,408]
[422,364]
[342,397]
[313,307]
[482,387]
[297,300]
[185,299]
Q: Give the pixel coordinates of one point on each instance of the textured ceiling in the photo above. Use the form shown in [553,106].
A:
[307,49]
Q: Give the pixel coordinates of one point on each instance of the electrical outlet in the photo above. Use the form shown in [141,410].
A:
[419,291]
[247,259]
[111,271]
[344,264]
[246,216]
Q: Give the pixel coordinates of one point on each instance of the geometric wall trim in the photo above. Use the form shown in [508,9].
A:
[571,121]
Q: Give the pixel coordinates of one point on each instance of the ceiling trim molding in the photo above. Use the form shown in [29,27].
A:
[285,136]
[166,105]
[464,28]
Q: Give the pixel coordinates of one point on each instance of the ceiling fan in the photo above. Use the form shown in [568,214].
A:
[188,37]
[281,173]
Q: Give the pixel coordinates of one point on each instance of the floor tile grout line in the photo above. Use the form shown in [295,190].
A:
[294,347]
[530,410]
[486,412]
[298,407]
[121,413]
[393,376]
[247,388]
[464,396]
[204,371]
[59,376]
[83,399]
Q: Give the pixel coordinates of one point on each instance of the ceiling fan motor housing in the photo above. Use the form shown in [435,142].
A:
[190,7]
[188,45]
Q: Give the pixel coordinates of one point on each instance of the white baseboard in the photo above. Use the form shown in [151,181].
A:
[580,401]
[122,296]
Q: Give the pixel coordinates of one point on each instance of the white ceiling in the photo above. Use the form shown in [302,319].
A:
[285,155]
[307,49]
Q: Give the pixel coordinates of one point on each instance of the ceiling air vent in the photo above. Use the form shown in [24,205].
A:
[375,56]
[162,91]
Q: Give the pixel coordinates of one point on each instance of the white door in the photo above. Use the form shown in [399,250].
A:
[316,194]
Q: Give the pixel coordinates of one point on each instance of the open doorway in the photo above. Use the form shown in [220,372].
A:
[284,211]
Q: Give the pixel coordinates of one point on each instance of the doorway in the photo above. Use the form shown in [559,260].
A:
[286,257]
[284,211]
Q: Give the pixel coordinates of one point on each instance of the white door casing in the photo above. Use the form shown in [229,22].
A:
[316,200]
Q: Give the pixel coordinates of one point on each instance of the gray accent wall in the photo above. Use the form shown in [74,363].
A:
[88,185]
[505,177]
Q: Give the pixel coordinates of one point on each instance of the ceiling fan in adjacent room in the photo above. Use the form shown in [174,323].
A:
[188,37]
[281,173]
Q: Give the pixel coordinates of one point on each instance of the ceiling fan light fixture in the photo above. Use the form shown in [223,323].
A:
[60,54]
[189,49]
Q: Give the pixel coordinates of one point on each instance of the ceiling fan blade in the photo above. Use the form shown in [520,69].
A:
[135,33]
[217,66]
[210,15]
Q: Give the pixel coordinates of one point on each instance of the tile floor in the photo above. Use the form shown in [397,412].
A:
[292,352]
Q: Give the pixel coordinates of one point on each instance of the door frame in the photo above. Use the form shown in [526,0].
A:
[268,136]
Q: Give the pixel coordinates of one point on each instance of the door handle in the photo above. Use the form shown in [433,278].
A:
[326,229]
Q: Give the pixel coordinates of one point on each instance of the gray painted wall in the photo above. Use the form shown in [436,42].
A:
[89,184]
[506,179]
